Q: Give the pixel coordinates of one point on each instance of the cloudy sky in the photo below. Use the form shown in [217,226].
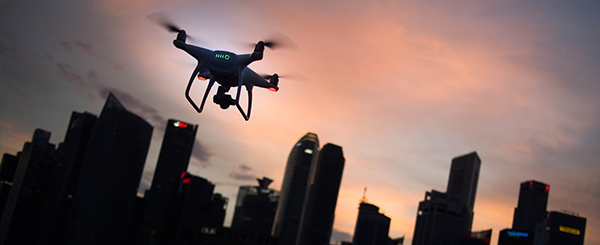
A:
[402,86]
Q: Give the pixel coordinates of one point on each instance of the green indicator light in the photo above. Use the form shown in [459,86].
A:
[222,56]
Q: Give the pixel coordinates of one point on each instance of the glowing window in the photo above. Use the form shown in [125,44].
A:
[569,230]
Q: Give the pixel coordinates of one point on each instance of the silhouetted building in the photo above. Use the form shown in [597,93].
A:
[231,236]
[173,159]
[109,177]
[71,157]
[444,218]
[371,227]
[319,208]
[462,183]
[531,208]
[255,208]
[514,237]
[191,210]
[477,238]
[561,229]
[29,195]
[8,168]
[299,170]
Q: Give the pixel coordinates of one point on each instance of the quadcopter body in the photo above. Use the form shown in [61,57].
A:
[228,70]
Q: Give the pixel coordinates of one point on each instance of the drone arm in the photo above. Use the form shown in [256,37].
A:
[189,86]
[246,117]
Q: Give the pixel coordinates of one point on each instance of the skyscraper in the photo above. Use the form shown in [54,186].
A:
[255,208]
[371,227]
[464,175]
[73,151]
[7,174]
[531,208]
[561,228]
[443,218]
[31,189]
[173,159]
[319,207]
[109,176]
[299,169]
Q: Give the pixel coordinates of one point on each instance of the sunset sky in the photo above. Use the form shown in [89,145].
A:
[402,86]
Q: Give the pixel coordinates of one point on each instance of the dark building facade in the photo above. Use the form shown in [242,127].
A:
[371,227]
[319,207]
[30,192]
[444,218]
[561,228]
[71,157]
[109,177]
[8,167]
[531,207]
[514,237]
[299,170]
[255,208]
[173,159]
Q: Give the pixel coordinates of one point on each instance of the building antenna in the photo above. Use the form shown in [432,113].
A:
[364,198]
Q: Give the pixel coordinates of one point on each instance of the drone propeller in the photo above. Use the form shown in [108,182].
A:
[161,19]
[277,40]
[295,76]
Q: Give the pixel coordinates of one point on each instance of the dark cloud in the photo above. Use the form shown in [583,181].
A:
[66,45]
[134,105]
[66,71]
[240,176]
[339,236]
[85,46]
[245,168]
[200,152]
[92,75]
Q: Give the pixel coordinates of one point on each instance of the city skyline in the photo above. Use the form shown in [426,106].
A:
[402,86]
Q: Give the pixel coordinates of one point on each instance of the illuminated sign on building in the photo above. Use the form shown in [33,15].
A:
[517,234]
[209,231]
[180,124]
[569,230]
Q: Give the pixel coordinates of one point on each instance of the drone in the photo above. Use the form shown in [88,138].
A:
[227,69]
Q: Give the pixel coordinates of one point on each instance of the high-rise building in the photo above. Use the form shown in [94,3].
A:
[531,208]
[7,174]
[28,198]
[71,157]
[255,208]
[109,177]
[561,228]
[444,218]
[319,207]
[173,159]
[371,227]
[464,175]
[190,210]
[298,171]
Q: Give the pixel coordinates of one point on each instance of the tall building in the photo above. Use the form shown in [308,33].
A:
[444,218]
[299,169]
[319,207]
[109,177]
[190,210]
[255,208]
[173,159]
[561,228]
[531,208]
[71,157]
[371,227]
[464,175]
[7,174]
[30,191]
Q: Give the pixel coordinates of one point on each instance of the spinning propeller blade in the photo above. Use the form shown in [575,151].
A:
[161,19]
